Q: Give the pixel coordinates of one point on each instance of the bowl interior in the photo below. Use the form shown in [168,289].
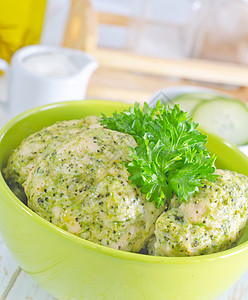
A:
[228,155]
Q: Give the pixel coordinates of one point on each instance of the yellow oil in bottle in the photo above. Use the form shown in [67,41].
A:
[20,24]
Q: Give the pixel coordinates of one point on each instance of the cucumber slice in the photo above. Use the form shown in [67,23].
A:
[187,105]
[200,96]
[226,117]
[188,102]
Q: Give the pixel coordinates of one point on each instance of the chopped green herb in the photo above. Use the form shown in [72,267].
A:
[170,157]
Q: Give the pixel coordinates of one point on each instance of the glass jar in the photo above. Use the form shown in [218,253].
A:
[223,32]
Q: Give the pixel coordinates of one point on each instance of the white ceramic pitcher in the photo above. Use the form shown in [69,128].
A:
[41,74]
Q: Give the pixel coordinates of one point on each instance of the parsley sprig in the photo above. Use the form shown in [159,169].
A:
[170,157]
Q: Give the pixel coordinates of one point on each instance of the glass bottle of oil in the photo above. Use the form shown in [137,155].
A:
[20,24]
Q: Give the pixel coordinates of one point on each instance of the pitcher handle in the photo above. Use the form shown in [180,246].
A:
[4,67]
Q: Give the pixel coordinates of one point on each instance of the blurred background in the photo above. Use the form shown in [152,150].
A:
[152,44]
[206,29]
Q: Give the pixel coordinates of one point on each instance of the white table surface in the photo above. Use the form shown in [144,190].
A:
[15,284]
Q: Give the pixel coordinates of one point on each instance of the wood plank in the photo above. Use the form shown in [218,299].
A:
[238,291]
[15,283]
[193,69]
[132,80]
[117,94]
[127,86]
[111,19]
[82,26]
[124,21]
[8,267]
[25,288]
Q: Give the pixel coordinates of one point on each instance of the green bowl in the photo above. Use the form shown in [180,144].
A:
[72,268]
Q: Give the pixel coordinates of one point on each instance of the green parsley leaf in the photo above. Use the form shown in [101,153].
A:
[170,157]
